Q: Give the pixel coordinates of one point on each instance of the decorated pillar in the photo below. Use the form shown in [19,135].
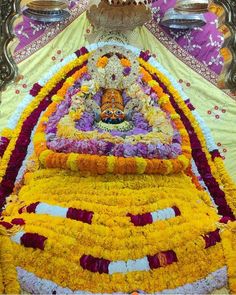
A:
[8,12]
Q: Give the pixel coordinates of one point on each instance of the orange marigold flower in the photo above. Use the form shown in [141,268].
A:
[125,62]
[102,62]
[101,164]
[131,165]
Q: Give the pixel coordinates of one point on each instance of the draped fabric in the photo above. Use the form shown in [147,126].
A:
[202,43]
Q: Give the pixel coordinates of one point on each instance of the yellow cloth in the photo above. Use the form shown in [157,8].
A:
[204,96]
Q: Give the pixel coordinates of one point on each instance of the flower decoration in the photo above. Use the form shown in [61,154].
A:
[130,204]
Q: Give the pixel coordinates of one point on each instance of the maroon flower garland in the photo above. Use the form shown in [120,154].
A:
[72,213]
[80,215]
[203,167]
[155,261]
[3,145]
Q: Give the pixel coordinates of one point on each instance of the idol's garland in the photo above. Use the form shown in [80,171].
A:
[71,136]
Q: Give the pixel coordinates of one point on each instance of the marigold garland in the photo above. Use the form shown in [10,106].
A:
[8,275]
[229,245]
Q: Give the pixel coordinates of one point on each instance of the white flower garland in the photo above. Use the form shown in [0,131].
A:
[163,214]
[12,122]
[206,131]
[31,283]
[17,237]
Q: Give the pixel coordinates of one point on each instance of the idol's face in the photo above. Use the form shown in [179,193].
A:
[112,116]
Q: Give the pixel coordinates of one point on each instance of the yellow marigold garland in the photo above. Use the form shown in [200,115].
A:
[8,275]
[229,245]
[229,185]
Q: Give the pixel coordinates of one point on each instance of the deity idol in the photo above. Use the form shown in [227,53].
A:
[113,185]
[112,107]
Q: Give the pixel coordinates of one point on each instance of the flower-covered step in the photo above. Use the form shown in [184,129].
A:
[110,196]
